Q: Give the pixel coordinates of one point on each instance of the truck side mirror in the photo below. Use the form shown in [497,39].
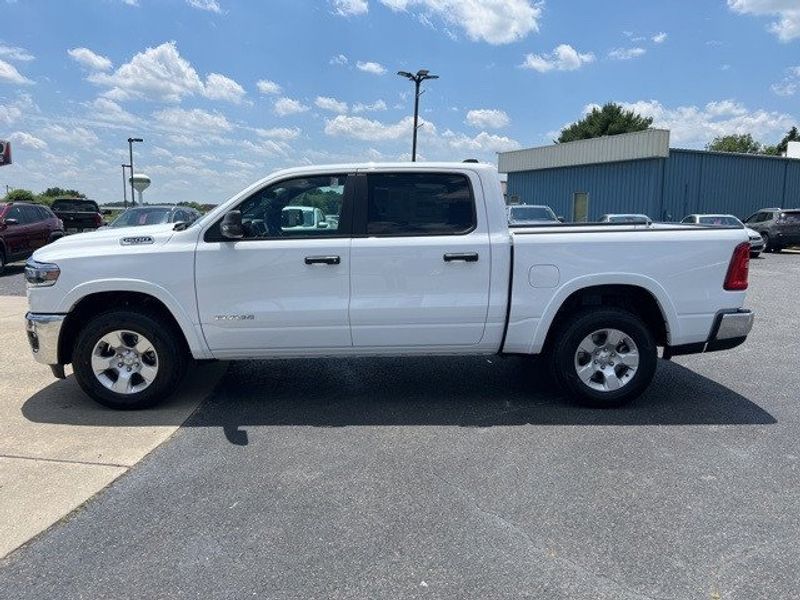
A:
[322,225]
[231,227]
[560,219]
[11,222]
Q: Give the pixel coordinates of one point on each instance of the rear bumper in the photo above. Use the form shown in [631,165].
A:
[730,329]
[43,335]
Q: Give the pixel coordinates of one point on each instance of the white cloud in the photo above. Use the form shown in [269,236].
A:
[27,140]
[76,137]
[89,59]
[371,67]
[789,85]
[104,109]
[492,21]
[209,5]
[376,106]
[563,58]
[659,38]
[11,112]
[787,25]
[695,126]
[265,86]
[280,133]
[161,73]
[331,104]
[348,8]
[288,106]
[488,118]
[219,87]
[626,53]
[483,142]
[195,120]
[339,59]
[361,128]
[9,74]
[15,53]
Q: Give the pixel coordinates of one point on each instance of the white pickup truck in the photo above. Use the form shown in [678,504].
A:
[415,259]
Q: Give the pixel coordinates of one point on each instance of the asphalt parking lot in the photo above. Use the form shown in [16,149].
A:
[453,477]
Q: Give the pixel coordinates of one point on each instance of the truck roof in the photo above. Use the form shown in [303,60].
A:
[367,166]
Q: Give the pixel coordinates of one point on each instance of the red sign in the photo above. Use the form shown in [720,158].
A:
[5,153]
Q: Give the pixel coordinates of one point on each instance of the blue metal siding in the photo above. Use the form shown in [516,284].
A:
[633,186]
[689,181]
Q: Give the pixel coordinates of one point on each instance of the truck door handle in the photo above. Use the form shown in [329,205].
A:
[462,256]
[323,260]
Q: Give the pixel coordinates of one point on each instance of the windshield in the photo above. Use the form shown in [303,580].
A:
[142,216]
[628,219]
[720,221]
[75,205]
[532,213]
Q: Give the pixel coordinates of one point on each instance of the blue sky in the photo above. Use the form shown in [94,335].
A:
[225,91]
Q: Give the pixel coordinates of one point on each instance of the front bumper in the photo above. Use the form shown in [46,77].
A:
[730,329]
[43,335]
[757,245]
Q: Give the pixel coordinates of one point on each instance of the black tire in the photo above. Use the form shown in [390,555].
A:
[166,340]
[2,261]
[767,246]
[755,254]
[568,339]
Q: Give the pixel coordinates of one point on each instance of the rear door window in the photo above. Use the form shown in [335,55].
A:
[790,217]
[412,204]
[75,205]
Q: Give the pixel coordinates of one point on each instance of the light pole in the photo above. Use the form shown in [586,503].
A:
[125,186]
[417,78]
[130,151]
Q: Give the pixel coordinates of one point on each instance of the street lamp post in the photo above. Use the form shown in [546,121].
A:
[417,78]
[130,152]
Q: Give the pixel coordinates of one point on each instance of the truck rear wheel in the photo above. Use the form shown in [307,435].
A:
[604,357]
[128,360]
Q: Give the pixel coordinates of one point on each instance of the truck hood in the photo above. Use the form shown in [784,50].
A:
[106,241]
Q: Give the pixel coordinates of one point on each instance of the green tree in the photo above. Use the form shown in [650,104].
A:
[741,143]
[20,195]
[791,136]
[57,192]
[610,119]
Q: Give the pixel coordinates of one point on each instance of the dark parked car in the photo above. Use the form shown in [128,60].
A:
[780,227]
[25,228]
[79,214]
[153,215]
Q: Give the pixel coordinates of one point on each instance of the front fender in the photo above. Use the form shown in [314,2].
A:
[182,316]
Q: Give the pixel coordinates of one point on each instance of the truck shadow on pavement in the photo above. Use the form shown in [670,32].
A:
[463,392]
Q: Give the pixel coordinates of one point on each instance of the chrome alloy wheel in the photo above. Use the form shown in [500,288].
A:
[125,362]
[606,360]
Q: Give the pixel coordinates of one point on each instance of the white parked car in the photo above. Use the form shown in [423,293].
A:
[530,214]
[421,261]
[756,241]
[632,218]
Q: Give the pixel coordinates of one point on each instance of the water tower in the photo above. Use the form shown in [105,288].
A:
[140,183]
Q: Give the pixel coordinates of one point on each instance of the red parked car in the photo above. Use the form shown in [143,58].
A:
[24,228]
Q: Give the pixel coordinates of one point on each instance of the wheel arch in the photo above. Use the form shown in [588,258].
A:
[82,307]
[641,296]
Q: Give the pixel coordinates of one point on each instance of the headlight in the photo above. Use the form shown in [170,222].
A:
[41,274]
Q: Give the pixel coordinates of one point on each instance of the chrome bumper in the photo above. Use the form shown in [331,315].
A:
[734,325]
[43,334]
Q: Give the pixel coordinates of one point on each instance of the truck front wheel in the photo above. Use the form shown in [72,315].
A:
[128,360]
[604,357]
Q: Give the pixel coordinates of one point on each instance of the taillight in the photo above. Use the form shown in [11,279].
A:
[736,279]
[98,220]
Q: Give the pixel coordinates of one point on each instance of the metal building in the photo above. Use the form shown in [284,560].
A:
[640,173]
